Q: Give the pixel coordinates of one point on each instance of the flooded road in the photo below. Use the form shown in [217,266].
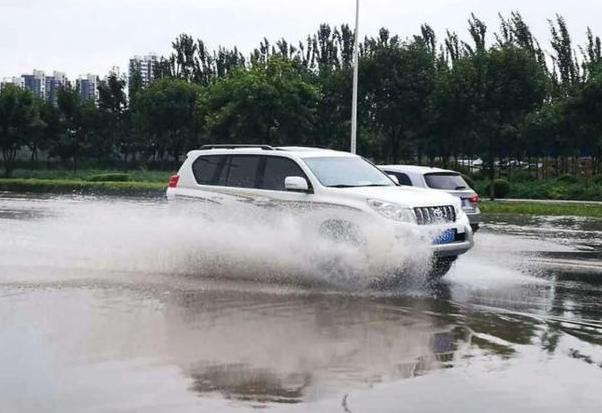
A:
[106,305]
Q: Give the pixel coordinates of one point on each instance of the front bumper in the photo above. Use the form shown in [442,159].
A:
[464,240]
[453,249]
[464,236]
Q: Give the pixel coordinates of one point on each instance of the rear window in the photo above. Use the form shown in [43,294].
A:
[210,170]
[448,181]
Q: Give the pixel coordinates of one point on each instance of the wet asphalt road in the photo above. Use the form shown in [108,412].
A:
[97,319]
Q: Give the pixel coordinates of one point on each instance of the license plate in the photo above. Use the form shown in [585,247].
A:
[466,205]
[446,237]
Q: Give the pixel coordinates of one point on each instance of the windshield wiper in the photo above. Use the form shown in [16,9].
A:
[460,187]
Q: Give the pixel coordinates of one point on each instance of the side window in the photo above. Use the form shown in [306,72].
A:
[243,171]
[402,178]
[210,170]
[276,170]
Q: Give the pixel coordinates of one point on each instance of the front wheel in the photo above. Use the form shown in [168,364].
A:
[441,266]
[341,231]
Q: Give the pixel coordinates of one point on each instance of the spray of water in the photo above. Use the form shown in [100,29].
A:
[263,245]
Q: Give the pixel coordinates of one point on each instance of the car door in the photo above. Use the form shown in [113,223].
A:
[272,172]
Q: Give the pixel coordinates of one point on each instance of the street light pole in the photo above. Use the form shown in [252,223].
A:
[355,76]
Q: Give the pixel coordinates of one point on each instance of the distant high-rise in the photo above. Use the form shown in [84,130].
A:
[87,86]
[42,86]
[53,84]
[36,82]
[145,65]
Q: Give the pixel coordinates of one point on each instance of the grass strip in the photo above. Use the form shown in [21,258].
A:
[544,209]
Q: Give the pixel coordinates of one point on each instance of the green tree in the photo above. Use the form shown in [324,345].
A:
[80,124]
[112,104]
[271,103]
[397,80]
[19,123]
[168,111]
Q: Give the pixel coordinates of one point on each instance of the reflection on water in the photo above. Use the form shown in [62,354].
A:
[516,326]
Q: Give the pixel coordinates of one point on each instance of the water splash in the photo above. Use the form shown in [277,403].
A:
[264,245]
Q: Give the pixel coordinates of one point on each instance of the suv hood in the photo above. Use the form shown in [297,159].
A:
[405,195]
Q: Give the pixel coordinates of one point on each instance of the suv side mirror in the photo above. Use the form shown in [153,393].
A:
[394,179]
[296,184]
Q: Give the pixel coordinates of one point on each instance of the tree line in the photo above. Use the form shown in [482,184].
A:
[499,95]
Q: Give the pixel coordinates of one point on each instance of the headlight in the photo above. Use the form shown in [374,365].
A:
[393,211]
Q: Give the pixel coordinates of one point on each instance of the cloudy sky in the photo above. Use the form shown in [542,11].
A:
[84,36]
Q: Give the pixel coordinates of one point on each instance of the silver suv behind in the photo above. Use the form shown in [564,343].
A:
[439,179]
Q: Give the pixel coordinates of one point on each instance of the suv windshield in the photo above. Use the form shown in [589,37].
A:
[347,172]
[446,180]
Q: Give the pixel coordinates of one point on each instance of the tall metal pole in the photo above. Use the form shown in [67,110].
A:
[355,76]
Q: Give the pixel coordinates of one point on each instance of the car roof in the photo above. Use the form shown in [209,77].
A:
[299,151]
[416,169]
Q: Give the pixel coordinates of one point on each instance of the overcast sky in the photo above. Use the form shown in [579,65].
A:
[83,36]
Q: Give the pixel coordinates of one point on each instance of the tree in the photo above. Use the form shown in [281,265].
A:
[80,123]
[514,84]
[168,111]
[397,82]
[271,103]
[51,116]
[19,121]
[38,138]
[112,104]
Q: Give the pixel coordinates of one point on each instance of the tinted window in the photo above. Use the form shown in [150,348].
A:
[447,181]
[243,171]
[210,170]
[402,178]
[276,170]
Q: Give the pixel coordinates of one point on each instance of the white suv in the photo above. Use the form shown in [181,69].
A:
[299,176]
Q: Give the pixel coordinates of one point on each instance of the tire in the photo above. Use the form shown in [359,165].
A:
[441,266]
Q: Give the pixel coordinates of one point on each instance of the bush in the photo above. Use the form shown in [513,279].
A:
[501,188]
[63,186]
[110,177]
[568,179]
[597,179]
[522,176]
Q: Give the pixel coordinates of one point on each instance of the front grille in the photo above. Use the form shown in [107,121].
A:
[435,215]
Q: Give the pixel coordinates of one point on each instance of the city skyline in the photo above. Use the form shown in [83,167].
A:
[64,35]
[46,87]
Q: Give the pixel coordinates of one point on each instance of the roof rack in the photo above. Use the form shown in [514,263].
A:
[226,146]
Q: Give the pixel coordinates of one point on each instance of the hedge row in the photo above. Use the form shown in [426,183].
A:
[59,186]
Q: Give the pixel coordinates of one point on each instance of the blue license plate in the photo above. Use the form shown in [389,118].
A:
[446,237]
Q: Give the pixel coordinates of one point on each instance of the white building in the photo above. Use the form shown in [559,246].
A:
[87,86]
[36,82]
[53,84]
[146,65]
